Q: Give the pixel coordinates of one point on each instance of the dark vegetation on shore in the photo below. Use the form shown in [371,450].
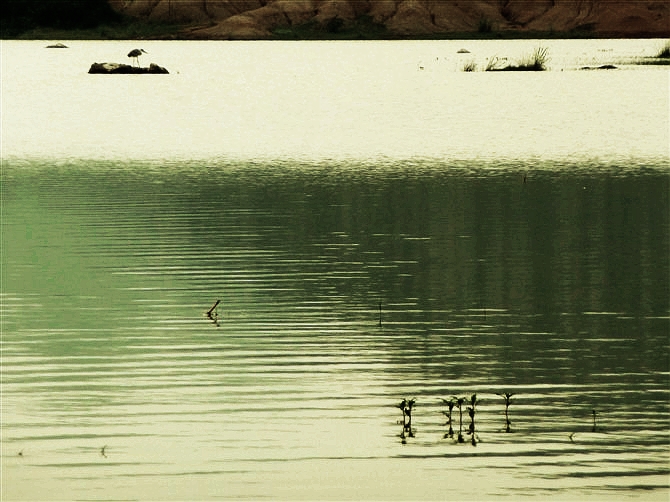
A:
[662,57]
[664,52]
[19,17]
[67,19]
[364,28]
[537,61]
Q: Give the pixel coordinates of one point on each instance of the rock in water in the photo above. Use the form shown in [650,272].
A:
[109,68]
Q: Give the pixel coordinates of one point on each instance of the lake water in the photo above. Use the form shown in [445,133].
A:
[378,225]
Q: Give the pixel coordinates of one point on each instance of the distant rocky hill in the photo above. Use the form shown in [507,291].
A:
[260,19]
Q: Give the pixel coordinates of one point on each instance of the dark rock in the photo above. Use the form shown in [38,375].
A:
[109,68]
[602,67]
[57,46]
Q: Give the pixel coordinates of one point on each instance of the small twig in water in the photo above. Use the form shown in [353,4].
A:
[209,312]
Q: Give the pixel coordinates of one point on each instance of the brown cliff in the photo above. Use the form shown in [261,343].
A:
[256,19]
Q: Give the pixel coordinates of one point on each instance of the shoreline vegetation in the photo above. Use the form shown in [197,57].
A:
[364,28]
[361,29]
[536,61]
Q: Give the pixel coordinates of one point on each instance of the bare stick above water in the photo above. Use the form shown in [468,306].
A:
[209,312]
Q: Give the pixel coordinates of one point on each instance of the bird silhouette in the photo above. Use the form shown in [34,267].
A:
[136,53]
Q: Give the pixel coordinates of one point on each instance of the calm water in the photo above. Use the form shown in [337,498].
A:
[374,231]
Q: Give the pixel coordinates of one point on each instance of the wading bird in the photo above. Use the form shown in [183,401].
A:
[136,53]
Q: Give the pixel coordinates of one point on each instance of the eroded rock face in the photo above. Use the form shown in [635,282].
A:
[412,17]
[251,19]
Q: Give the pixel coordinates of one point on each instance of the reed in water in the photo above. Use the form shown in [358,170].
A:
[507,396]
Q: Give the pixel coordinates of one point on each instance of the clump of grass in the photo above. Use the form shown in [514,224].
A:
[470,66]
[536,61]
[661,58]
[540,58]
[493,64]
[664,52]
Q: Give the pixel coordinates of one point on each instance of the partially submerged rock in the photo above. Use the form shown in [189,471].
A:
[57,46]
[109,68]
[602,67]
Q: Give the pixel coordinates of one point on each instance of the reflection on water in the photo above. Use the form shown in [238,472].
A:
[344,289]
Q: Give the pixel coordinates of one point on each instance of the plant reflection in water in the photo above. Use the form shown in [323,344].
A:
[508,400]
[406,406]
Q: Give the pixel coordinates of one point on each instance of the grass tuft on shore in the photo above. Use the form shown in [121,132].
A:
[664,52]
[661,58]
[470,66]
[536,61]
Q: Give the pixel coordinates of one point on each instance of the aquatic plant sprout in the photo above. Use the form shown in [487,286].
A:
[507,396]
[450,403]
[471,412]
[406,406]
